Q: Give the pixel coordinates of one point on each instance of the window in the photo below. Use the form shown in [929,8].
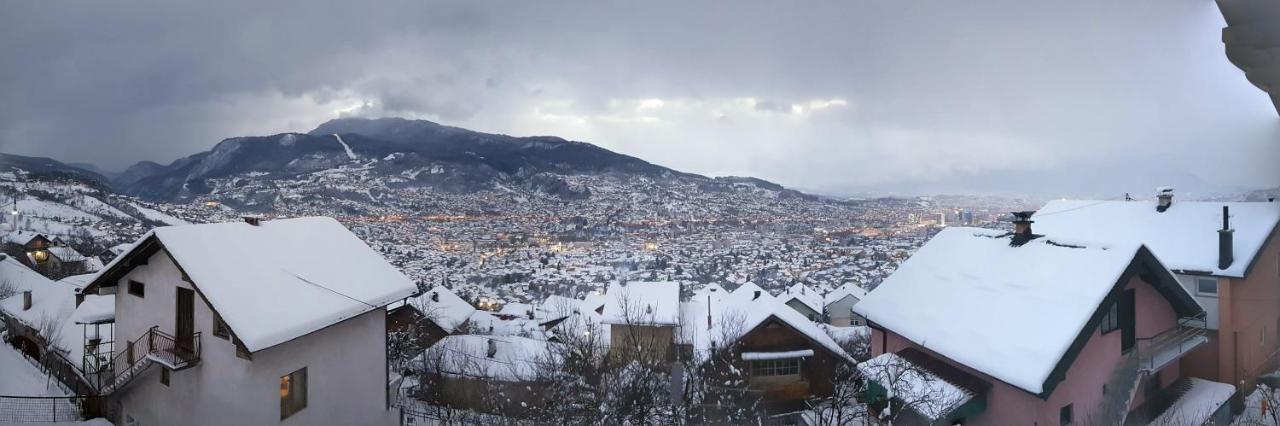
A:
[220,328]
[137,288]
[293,393]
[1111,321]
[164,376]
[775,367]
[242,352]
[1064,415]
[1207,287]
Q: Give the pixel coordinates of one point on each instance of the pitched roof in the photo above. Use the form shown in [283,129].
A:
[649,303]
[1185,236]
[278,280]
[1013,313]
[442,306]
[740,312]
[808,296]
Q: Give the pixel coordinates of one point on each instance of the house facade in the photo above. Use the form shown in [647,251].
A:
[306,346]
[1226,255]
[1066,333]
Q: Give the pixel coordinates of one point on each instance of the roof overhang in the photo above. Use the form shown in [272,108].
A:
[1252,42]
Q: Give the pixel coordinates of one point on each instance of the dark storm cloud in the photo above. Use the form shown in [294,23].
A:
[831,96]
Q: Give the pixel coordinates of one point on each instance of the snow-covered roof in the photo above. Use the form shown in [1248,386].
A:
[283,278]
[1185,236]
[443,307]
[808,296]
[1009,312]
[66,254]
[739,313]
[844,290]
[750,288]
[20,276]
[927,394]
[78,281]
[21,237]
[514,358]
[643,303]
[516,309]
[713,290]
[95,309]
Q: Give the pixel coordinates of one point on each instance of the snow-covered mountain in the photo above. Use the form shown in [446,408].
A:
[370,160]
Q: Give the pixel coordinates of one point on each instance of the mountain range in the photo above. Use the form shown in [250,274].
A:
[391,152]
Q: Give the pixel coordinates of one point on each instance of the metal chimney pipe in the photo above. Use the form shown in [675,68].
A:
[1225,249]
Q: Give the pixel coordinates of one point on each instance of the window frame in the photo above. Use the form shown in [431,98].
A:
[164,376]
[289,386]
[1111,319]
[140,291]
[220,327]
[1206,294]
[776,367]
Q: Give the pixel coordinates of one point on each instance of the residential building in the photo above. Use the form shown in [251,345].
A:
[992,327]
[838,305]
[1227,255]
[259,322]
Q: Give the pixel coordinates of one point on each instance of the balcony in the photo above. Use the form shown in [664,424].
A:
[1155,352]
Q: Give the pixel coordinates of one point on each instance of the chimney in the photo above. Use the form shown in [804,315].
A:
[254,220]
[1164,198]
[79,298]
[1224,240]
[1022,228]
[435,296]
[26,300]
[756,295]
[493,348]
[1022,222]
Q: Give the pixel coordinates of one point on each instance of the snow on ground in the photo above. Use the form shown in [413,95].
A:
[22,378]
[1195,406]
[94,422]
[157,216]
[30,206]
[1253,410]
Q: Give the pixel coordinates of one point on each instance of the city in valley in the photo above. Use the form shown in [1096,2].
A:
[569,213]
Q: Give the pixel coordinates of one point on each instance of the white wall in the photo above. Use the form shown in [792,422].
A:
[345,362]
[1209,303]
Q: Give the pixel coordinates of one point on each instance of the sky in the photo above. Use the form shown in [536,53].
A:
[833,97]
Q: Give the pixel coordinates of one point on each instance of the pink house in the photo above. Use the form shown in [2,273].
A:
[1227,255]
[992,327]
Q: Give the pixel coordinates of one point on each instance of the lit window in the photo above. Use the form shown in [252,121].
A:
[293,393]
[1111,321]
[137,288]
[1207,287]
[40,255]
[775,367]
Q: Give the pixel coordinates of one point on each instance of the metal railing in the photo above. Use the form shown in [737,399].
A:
[157,345]
[1173,342]
[42,408]
[176,352]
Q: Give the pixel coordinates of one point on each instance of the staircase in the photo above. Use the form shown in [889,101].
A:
[157,348]
[1120,390]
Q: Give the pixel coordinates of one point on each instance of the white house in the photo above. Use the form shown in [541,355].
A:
[255,322]
[838,305]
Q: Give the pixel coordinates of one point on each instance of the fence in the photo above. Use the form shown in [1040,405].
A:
[42,408]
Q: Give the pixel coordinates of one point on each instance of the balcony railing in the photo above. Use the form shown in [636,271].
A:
[1158,351]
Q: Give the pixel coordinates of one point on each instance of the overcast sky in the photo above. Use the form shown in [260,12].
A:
[841,96]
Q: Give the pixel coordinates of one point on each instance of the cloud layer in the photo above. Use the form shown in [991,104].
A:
[855,95]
